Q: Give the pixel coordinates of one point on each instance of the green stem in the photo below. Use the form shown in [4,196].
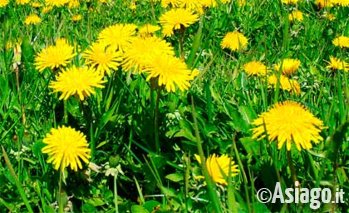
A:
[156,121]
[65,115]
[116,195]
[59,194]
[291,166]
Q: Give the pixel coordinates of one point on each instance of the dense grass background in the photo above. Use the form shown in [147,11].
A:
[119,120]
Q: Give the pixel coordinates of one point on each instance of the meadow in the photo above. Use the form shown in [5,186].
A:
[148,106]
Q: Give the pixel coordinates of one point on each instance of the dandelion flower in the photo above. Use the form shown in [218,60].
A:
[255,68]
[142,50]
[66,147]
[234,41]
[46,9]
[22,2]
[73,4]
[80,81]
[118,36]
[32,19]
[324,3]
[288,122]
[55,56]
[285,83]
[219,167]
[289,1]
[3,3]
[193,5]
[341,41]
[166,3]
[36,4]
[175,19]
[76,17]
[288,66]
[296,15]
[56,3]
[337,64]
[170,72]
[148,30]
[209,3]
[103,58]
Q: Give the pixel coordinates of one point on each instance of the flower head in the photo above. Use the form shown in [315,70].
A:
[66,147]
[255,68]
[219,167]
[22,2]
[337,64]
[286,84]
[234,41]
[55,56]
[324,3]
[288,122]
[175,19]
[80,81]
[56,3]
[76,17]
[295,15]
[32,19]
[341,41]
[169,72]
[118,36]
[103,58]
[3,3]
[289,1]
[142,50]
[288,66]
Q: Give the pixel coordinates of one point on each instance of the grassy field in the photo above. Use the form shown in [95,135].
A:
[173,105]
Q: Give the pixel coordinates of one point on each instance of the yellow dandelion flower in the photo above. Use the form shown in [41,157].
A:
[36,4]
[175,19]
[192,5]
[142,50]
[296,15]
[342,3]
[46,9]
[80,81]
[324,3]
[289,1]
[22,2]
[73,4]
[170,72]
[54,56]
[103,58]
[56,3]
[328,16]
[219,167]
[288,66]
[76,17]
[66,147]
[341,41]
[166,3]
[3,3]
[209,3]
[285,83]
[255,68]
[288,122]
[133,5]
[32,19]
[148,30]
[337,64]
[118,36]
[234,41]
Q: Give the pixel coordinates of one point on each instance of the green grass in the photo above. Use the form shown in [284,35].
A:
[154,140]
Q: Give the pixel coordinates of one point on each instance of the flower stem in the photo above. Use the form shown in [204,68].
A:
[291,166]
[59,194]
[116,195]
[156,121]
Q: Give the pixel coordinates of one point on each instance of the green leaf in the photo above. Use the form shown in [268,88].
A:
[175,177]
[138,209]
